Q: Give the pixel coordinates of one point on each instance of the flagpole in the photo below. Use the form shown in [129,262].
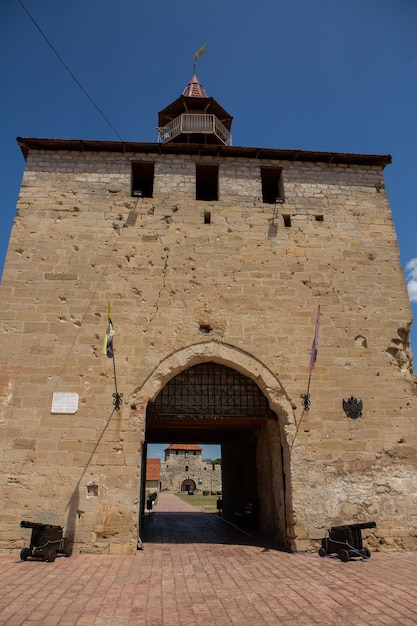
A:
[117,397]
[306,407]
[108,350]
[306,396]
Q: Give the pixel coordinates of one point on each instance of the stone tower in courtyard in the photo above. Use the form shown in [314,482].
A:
[214,259]
[185,469]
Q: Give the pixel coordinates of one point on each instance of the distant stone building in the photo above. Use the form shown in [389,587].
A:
[184,469]
[153,474]
[215,259]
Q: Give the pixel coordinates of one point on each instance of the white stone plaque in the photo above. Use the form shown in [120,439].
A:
[66,403]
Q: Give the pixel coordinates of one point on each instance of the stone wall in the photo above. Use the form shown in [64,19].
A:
[181,291]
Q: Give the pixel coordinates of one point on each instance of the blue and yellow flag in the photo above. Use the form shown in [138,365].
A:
[108,339]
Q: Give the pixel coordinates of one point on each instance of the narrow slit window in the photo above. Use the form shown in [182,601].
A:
[287,221]
[207,182]
[207,217]
[143,173]
[272,185]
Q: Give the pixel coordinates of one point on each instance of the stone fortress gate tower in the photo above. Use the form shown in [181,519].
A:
[185,469]
[215,260]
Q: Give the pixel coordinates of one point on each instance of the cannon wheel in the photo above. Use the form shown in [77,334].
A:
[322,552]
[366,553]
[25,553]
[51,556]
[344,556]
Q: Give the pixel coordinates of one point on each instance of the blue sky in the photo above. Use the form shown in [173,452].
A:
[332,75]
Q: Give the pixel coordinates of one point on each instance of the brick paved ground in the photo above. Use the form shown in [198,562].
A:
[197,570]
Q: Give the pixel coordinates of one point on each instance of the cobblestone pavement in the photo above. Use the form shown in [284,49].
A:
[197,570]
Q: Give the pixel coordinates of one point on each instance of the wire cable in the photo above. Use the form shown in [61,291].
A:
[75,79]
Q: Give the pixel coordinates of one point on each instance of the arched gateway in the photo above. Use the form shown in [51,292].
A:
[214,393]
[188,485]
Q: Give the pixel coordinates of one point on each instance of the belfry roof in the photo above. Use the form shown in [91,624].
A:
[194,89]
[203,104]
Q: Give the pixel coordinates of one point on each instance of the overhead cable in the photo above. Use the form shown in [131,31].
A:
[69,71]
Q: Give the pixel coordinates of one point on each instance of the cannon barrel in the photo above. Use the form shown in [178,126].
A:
[24,524]
[355,526]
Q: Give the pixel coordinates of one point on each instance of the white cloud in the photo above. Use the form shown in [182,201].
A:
[411,277]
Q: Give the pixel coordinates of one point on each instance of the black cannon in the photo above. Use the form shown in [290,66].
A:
[346,541]
[46,542]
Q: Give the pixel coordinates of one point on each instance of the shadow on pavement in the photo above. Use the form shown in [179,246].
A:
[199,527]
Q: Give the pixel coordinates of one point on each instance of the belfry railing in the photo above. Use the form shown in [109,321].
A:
[199,123]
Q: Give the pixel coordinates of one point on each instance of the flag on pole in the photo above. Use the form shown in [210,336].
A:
[315,346]
[199,52]
[108,339]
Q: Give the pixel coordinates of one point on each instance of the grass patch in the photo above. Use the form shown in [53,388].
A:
[207,503]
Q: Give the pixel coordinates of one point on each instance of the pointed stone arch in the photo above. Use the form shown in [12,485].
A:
[229,356]
[268,447]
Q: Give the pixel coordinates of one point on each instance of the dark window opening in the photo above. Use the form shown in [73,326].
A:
[207,217]
[272,185]
[92,490]
[186,468]
[207,182]
[319,218]
[142,179]
[287,220]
